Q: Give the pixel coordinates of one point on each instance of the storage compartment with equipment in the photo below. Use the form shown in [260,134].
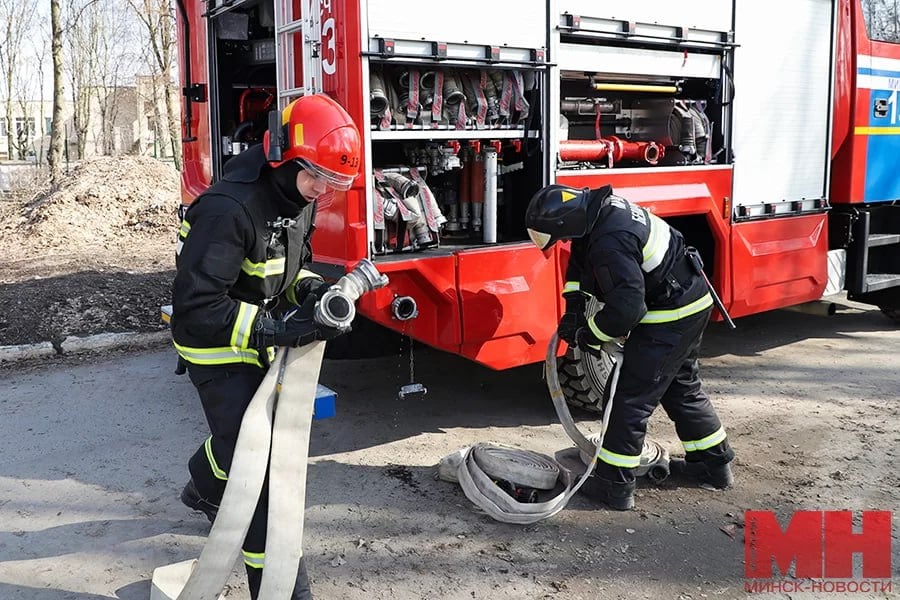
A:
[241,35]
[456,149]
[633,94]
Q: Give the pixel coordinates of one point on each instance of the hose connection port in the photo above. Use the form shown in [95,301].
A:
[404,308]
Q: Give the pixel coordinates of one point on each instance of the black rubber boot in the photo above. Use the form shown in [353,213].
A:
[254,579]
[301,587]
[717,475]
[615,495]
[191,498]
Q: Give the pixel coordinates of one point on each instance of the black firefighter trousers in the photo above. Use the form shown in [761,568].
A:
[660,367]
[225,393]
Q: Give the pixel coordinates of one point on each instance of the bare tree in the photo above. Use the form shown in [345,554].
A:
[56,134]
[159,21]
[101,40]
[80,43]
[117,61]
[26,128]
[16,17]
[39,71]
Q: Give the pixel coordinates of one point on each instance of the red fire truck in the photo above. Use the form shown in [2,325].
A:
[767,132]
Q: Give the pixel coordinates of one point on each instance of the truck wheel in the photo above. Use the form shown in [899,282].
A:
[584,379]
[892,313]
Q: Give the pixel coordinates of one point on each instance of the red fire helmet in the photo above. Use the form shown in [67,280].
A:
[319,134]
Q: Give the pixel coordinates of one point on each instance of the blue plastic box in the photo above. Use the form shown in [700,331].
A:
[324,404]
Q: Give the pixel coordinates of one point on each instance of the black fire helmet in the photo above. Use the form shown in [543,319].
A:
[557,212]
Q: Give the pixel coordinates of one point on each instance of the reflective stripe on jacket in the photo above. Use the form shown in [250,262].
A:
[624,260]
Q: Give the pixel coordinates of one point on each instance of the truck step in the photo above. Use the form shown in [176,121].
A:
[881,281]
[883,239]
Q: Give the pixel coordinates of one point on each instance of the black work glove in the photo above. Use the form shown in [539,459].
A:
[590,343]
[307,287]
[293,332]
[319,289]
[573,319]
[299,330]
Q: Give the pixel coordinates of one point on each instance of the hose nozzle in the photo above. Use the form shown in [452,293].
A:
[337,307]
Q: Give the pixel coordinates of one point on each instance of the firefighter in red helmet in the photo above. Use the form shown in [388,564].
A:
[657,304]
[241,252]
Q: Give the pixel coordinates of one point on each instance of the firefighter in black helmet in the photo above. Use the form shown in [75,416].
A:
[657,305]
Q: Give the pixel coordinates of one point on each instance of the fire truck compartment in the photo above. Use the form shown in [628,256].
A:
[787,98]
[241,95]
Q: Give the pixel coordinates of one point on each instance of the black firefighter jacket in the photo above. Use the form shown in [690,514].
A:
[634,263]
[241,249]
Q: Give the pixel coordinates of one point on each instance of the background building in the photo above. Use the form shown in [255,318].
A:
[128,119]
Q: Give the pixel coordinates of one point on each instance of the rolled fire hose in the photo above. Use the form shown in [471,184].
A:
[411,205]
[290,383]
[379,103]
[477,467]
[454,101]
[654,459]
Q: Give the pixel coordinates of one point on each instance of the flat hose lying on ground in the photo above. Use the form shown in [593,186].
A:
[478,467]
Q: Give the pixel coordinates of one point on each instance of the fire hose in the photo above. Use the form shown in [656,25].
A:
[408,198]
[404,193]
[290,384]
[480,469]
[477,473]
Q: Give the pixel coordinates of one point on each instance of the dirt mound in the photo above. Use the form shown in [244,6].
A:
[109,212]
[105,202]
[97,255]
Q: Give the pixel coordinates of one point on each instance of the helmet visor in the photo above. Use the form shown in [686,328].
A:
[540,239]
[333,180]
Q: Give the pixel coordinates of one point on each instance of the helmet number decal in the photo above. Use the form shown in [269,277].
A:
[352,161]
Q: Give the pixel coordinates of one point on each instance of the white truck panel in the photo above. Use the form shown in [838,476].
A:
[515,23]
[782,102]
[606,59]
[713,15]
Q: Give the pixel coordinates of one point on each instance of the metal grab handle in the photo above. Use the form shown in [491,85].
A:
[697,263]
